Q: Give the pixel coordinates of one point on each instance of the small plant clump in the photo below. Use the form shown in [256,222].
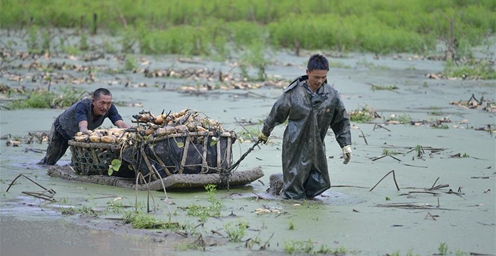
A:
[388,152]
[204,212]
[84,210]
[443,249]
[401,119]
[472,69]
[146,221]
[384,87]
[291,225]
[236,231]
[47,99]
[420,151]
[363,115]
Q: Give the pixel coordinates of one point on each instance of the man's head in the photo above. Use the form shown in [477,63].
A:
[102,100]
[317,69]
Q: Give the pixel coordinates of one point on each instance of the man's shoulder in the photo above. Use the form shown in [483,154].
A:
[295,83]
[83,103]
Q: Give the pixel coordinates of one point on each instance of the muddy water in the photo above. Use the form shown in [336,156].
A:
[348,216]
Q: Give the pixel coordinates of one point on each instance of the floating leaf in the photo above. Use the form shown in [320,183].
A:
[180,144]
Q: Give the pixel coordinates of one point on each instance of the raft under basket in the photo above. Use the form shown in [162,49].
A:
[93,158]
[181,153]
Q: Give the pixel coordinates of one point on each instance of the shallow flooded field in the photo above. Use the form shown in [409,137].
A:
[446,197]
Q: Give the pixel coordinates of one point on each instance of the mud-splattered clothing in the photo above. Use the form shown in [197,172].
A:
[309,115]
[66,125]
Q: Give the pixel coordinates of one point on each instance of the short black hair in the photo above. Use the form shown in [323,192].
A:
[318,62]
[101,91]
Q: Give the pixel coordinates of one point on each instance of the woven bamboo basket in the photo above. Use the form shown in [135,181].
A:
[161,156]
[93,158]
[182,153]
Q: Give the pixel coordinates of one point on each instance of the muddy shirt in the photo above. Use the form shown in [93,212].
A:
[83,111]
[309,115]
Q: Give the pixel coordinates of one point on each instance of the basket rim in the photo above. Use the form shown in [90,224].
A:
[83,144]
[93,145]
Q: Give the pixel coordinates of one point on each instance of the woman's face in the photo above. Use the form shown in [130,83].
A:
[102,105]
[316,78]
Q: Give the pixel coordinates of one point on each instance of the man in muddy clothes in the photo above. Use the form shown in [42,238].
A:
[311,106]
[83,116]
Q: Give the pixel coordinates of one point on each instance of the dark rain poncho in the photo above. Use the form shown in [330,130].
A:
[304,161]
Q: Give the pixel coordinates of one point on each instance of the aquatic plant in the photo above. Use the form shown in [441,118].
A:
[140,220]
[204,212]
[47,99]
[384,87]
[472,69]
[443,249]
[236,231]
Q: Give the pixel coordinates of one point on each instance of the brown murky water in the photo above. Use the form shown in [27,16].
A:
[348,216]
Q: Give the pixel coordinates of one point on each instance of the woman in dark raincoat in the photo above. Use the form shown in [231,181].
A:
[312,107]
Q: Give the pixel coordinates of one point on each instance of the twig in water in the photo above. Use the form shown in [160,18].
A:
[430,215]
[40,195]
[435,182]
[394,178]
[380,126]
[364,138]
[51,191]
[438,187]
[378,157]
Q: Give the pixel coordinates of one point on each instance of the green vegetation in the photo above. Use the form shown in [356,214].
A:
[236,231]
[45,98]
[307,247]
[199,27]
[115,207]
[83,210]
[443,249]
[146,221]
[402,119]
[472,69]
[362,115]
[249,133]
[440,126]
[212,210]
[420,150]
[114,166]
[436,111]
[295,247]
[384,87]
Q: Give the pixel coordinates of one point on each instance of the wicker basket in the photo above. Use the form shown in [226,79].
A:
[93,158]
[182,153]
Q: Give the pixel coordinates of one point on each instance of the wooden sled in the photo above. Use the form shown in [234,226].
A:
[174,181]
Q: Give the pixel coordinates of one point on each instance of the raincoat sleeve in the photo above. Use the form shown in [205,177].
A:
[340,124]
[278,114]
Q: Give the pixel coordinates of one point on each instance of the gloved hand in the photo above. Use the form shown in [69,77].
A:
[263,138]
[346,154]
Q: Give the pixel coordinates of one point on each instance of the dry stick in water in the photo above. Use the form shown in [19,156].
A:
[35,194]
[364,138]
[394,178]
[435,182]
[380,126]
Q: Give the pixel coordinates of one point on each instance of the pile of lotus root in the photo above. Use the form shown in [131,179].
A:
[150,126]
